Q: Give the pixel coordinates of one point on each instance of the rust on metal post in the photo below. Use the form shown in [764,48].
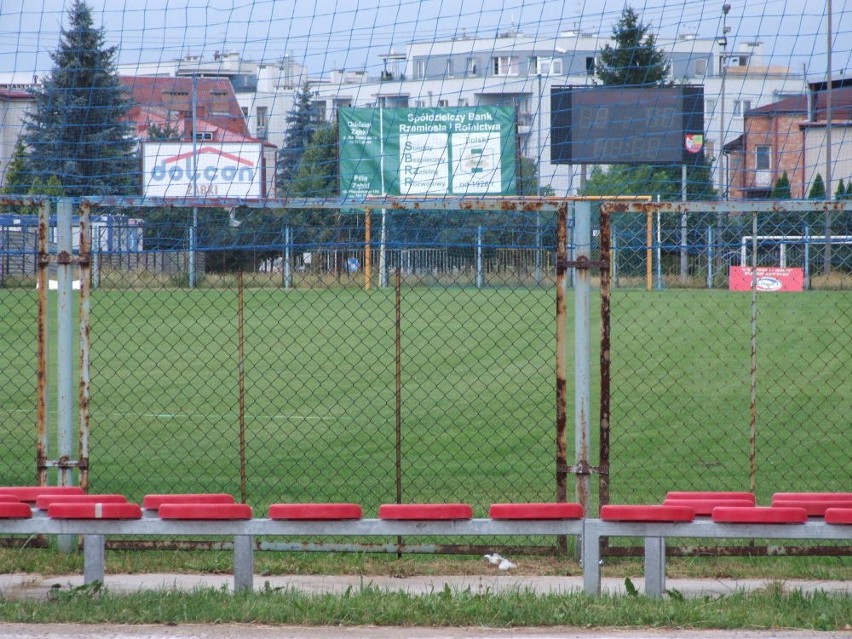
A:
[398,380]
[84,261]
[561,342]
[606,296]
[398,397]
[241,374]
[41,400]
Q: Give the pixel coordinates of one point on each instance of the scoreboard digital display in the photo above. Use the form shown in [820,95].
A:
[623,125]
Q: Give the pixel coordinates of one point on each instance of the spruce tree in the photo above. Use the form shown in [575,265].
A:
[840,192]
[302,122]
[79,131]
[633,59]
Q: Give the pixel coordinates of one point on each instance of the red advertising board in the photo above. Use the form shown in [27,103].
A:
[766,278]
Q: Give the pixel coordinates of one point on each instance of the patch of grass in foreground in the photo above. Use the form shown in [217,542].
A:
[770,608]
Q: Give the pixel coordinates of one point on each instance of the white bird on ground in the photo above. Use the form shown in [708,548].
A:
[494,559]
[505,564]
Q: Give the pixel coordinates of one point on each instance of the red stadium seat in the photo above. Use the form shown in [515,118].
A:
[845,497]
[43,501]
[205,511]
[153,502]
[759,515]
[646,513]
[534,510]
[31,493]
[15,510]
[94,511]
[703,507]
[814,507]
[710,494]
[838,516]
[425,511]
[311,512]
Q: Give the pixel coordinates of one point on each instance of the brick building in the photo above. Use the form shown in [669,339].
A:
[791,136]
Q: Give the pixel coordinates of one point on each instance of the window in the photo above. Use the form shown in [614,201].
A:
[710,106]
[443,103]
[420,69]
[741,106]
[471,67]
[261,117]
[505,65]
[464,102]
[203,136]
[549,66]
[449,67]
[701,66]
[763,157]
[590,65]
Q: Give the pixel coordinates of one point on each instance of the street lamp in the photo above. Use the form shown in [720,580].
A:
[723,42]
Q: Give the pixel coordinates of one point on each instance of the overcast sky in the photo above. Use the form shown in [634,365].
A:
[351,34]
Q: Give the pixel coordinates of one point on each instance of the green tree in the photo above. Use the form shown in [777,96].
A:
[840,192]
[17,180]
[849,189]
[165,131]
[633,59]
[781,190]
[529,180]
[302,122]
[79,130]
[817,191]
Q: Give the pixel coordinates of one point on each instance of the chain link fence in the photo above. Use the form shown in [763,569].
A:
[719,389]
[305,366]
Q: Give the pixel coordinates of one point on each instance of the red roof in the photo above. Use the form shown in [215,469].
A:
[168,101]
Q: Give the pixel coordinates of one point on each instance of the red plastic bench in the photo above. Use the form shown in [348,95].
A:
[710,494]
[209,511]
[31,493]
[536,510]
[153,502]
[817,496]
[814,507]
[94,511]
[838,516]
[704,507]
[15,510]
[425,511]
[646,513]
[759,515]
[315,512]
[43,501]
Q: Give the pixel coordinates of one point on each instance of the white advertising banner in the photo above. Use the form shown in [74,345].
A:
[222,170]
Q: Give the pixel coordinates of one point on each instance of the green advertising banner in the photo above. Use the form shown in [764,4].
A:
[447,151]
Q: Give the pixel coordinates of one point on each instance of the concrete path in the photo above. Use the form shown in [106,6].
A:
[37,586]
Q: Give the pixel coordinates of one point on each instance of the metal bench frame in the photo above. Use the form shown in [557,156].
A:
[656,533]
[95,531]
[244,532]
